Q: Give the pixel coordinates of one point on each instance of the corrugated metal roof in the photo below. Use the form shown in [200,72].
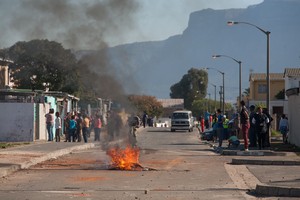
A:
[292,72]
[263,76]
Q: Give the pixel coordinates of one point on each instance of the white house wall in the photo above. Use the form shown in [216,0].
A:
[17,122]
[42,109]
[294,110]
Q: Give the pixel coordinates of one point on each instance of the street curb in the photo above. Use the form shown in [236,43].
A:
[268,190]
[252,153]
[4,171]
[238,161]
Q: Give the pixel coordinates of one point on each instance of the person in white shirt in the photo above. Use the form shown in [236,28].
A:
[57,127]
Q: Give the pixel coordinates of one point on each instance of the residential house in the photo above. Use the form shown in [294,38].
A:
[292,87]
[23,113]
[4,75]
[258,91]
[258,94]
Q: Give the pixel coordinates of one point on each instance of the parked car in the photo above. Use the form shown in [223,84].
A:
[207,135]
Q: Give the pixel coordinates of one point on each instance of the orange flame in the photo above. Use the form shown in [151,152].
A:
[124,159]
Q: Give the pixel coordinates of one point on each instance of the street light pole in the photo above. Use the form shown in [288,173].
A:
[267,33]
[209,103]
[240,75]
[223,91]
[215,95]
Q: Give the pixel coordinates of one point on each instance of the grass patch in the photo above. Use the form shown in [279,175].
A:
[4,145]
[275,133]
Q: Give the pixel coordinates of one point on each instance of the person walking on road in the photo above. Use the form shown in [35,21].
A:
[284,128]
[57,127]
[50,123]
[245,124]
[260,120]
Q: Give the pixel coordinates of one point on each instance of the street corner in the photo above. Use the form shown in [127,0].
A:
[278,191]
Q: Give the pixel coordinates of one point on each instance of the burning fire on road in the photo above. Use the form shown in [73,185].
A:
[126,159]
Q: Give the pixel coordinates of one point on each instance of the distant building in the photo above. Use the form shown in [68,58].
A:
[4,73]
[170,105]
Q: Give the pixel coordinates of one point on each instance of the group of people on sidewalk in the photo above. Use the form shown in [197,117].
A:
[76,126]
[253,125]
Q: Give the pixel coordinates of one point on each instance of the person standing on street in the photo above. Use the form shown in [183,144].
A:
[220,128]
[97,127]
[284,128]
[252,134]
[57,127]
[245,124]
[145,117]
[267,139]
[72,129]
[85,128]
[79,127]
[260,120]
[206,118]
[50,123]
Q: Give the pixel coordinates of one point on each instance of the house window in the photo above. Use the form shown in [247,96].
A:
[262,88]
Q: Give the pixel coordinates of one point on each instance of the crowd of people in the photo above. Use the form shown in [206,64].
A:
[252,125]
[76,126]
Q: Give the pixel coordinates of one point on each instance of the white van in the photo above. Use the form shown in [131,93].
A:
[182,120]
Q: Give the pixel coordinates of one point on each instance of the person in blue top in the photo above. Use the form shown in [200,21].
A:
[206,119]
[220,127]
[72,129]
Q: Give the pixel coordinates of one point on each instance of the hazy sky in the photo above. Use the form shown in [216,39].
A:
[94,23]
[160,19]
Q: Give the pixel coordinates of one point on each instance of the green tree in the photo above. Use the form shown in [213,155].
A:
[149,104]
[280,94]
[38,62]
[246,92]
[192,85]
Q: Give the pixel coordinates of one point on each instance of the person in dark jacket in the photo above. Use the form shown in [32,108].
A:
[267,139]
[260,120]
[252,133]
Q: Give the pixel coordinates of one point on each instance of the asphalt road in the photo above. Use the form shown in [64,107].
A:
[177,166]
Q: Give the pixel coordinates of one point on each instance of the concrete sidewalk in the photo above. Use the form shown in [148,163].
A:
[25,156]
[278,172]
[278,175]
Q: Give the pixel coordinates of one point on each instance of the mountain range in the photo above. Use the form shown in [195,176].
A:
[156,65]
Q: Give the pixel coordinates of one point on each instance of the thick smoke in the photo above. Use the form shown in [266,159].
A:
[76,24]
[80,25]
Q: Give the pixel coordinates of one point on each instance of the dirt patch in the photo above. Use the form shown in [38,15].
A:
[90,179]
[70,164]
